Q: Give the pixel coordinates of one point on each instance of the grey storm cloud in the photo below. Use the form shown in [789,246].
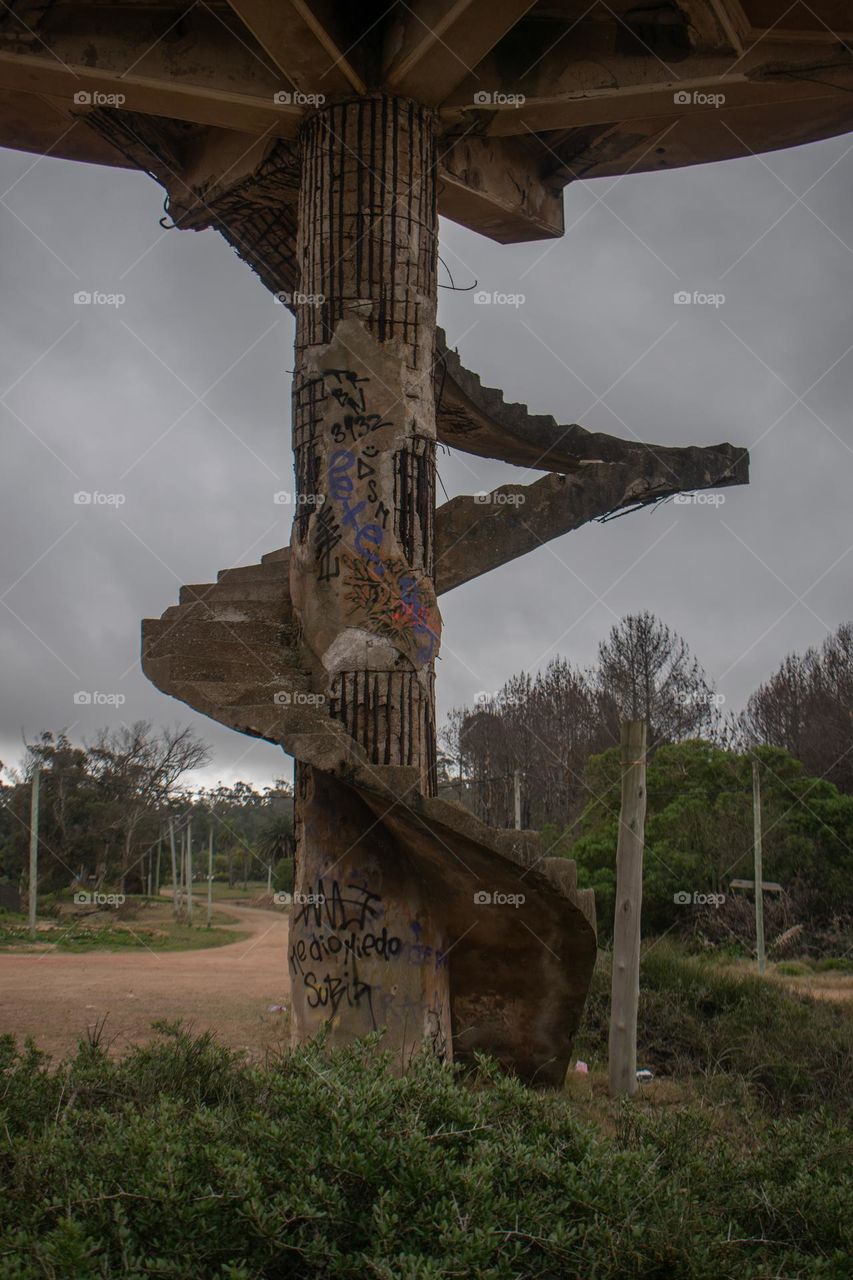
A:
[167,397]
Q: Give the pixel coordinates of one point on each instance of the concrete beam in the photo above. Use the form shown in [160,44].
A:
[83,87]
[818,21]
[307,42]
[433,45]
[45,126]
[569,88]
[496,187]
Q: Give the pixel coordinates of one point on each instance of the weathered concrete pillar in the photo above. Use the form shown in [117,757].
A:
[371,954]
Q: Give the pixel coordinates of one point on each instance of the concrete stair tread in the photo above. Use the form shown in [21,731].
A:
[264,571]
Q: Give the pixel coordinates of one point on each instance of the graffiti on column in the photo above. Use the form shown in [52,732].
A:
[345,930]
[350,528]
[342,927]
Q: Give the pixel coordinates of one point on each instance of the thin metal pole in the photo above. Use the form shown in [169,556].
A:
[189,884]
[210,875]
[759,871]
[516,783]
[175,903]
[182,871]
[34,847]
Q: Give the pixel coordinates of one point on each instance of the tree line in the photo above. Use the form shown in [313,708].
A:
[548,726]
[106,807]
[554,737]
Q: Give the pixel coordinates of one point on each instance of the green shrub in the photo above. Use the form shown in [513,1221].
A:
[698,835]
[282,876]
[696,1017]
[181,1161]
[832,964]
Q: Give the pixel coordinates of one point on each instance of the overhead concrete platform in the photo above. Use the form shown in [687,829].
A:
[530,97]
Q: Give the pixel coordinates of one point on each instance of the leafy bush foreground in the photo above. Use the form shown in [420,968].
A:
[183,1161]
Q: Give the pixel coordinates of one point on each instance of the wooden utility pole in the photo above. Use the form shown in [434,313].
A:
[34,847]
[157,872]
[175,903]
[516,787]
[189,872]
[625,986]
[759,877]
[210,875]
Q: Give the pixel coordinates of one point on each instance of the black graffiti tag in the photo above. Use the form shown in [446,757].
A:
[339,907]
[328,992]
[343,933]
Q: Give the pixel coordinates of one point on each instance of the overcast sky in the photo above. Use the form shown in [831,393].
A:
[179,401]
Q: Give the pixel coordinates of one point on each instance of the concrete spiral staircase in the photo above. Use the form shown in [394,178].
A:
[520,970]
[519,974]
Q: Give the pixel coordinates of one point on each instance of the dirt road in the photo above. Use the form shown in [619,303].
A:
[53,996]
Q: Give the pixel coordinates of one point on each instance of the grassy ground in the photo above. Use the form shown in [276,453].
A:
[235,893]
[139,922]
[183,1161]
[828,979]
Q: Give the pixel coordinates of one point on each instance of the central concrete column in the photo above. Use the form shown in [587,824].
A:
[366,951]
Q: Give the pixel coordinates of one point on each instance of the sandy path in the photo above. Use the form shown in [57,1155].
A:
[53,996]
[824,986]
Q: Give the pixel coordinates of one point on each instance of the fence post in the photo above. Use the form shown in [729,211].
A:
[759,869]
[625,985]
[34,849]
